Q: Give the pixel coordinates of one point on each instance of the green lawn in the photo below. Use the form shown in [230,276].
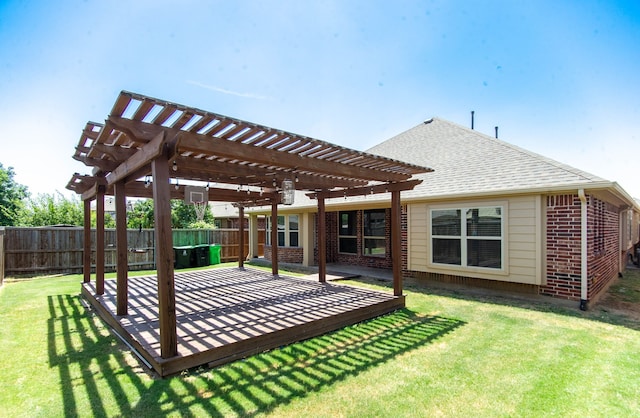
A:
[447,354]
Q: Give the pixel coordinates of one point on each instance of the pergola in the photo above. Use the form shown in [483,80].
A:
[145,140]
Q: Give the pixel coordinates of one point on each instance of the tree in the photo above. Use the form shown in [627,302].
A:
[184,216]
[53,209]
[12,195]
[56,209]
[141,214]
[109,221]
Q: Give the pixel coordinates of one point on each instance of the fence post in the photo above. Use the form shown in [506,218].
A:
[1,255]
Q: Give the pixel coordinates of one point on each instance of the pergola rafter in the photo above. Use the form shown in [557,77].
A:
[164,142]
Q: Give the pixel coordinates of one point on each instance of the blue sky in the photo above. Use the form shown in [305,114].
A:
[561,78]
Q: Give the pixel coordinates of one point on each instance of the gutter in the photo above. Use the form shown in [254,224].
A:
[583,250]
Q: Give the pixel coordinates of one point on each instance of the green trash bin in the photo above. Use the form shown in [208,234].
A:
[214,254]
[201,255]
[182,257]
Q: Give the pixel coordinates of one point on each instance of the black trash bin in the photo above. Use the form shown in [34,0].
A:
[183,257]
[201,255]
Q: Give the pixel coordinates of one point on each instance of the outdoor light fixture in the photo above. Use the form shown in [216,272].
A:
[288,192]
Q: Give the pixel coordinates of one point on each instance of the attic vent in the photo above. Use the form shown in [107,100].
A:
[428,121]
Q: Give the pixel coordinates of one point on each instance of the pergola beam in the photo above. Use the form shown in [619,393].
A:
[236,150]
[118,154]
[216,194]
[194,143]
[136,130]
[92,192]
[224,172]
[143,157]
[103,165]
[365,190]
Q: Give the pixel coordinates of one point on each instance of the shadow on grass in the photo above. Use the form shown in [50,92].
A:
[599,312]
[94,372]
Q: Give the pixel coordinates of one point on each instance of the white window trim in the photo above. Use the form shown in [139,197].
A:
[287,230]
[504,208]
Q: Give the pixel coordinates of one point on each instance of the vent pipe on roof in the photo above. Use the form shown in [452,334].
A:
[496,132]
[472,112]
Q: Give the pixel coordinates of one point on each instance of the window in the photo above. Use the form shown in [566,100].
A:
[467,237]
[281,231]
[446,237]
[293,230]
[374,232]
[288,231]
[347,232]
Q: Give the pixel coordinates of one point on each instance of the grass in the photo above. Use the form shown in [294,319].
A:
[627,290]
[446,354]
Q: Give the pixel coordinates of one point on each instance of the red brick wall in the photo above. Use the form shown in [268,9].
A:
[564,250]
[603,245]
[331,225]
[563,247]
[285,254]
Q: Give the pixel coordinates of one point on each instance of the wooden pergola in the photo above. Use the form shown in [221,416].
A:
[146,147]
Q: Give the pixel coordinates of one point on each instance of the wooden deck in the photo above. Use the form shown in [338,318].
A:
[231,313]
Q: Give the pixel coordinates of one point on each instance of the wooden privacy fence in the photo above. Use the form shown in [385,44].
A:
[59,250]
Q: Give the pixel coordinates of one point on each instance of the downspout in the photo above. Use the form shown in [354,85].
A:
[583,250]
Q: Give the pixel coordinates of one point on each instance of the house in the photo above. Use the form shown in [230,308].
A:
[491,214]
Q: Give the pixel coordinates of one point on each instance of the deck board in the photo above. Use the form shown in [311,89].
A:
[229,313]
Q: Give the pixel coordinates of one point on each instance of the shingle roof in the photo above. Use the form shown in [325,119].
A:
[467,162]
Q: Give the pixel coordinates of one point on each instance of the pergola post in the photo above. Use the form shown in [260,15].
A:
[164,257]
[322,241]
[396,242]
[122,266]
[86,245]
[100,240]
[274,238]
[241,255]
